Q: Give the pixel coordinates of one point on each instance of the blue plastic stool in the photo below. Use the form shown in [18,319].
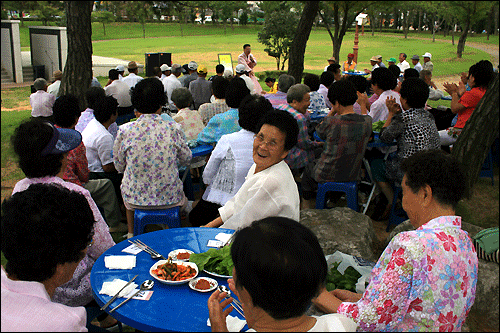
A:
[350,189]
[170,216]
[397,216]
[487,168]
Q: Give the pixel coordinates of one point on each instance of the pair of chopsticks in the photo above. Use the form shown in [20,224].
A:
[118,293]
[237,306]
[146,248]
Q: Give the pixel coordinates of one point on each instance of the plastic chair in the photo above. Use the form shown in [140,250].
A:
[170,216]
[92,313]
[397,216]
[349,188]
[487,168]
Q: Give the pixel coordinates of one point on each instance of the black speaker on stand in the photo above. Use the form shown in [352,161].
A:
[166,58]
[156,60]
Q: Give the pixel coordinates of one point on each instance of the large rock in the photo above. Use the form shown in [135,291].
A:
[342,229]
[484,314]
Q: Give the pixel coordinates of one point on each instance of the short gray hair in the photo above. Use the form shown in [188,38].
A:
[425,73]
[176,68]
[285,81]
[182,97]
[40,83]
[297,92]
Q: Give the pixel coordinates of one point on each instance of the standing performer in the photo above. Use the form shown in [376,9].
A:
[247,59]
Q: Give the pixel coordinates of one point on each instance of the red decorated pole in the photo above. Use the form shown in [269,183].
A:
[356,40]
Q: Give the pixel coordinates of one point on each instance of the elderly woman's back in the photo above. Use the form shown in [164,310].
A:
[148,152]
[190,120]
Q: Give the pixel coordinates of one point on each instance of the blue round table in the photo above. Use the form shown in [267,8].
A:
[201,150]
[355,73]
[171,307]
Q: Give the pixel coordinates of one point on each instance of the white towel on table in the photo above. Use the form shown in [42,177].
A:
[112,287]
[119,262]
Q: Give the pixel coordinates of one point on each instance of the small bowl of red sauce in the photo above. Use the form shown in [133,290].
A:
[203,284]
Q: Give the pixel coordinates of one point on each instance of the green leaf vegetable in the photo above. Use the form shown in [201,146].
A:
[377,126]
[337,280]
[217,261]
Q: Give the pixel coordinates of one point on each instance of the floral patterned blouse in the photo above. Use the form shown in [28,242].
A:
[77,291]
[424,281]
[148,152]
[317,101]
[190,121]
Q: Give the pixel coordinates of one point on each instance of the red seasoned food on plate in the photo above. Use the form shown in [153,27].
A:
[183,255]
[174,272]
[203,284]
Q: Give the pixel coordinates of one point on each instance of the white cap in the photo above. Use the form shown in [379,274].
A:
[240,69]
[227,73]
[165,67]
[427,55]
[193,65]
[120,68]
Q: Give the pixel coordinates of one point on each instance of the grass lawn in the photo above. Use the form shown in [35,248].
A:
[204,50]
[202,43]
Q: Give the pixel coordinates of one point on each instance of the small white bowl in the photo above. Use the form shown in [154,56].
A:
[173,254]
[213,284]
[161,262]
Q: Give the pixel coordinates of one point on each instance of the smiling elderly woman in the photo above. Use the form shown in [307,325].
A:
[269,189]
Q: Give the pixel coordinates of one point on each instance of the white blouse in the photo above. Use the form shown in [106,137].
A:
[332,322]
[270,192]
[228,166]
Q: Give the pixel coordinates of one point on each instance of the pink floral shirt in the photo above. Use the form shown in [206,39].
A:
[77,291]
[424,281]
[191,123]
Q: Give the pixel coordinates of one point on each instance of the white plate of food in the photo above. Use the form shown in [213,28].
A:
[180,254]
[218,275]
[203,284]
[173,272]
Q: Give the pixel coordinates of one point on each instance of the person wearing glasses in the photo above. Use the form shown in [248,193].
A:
[230,161]
[269,188]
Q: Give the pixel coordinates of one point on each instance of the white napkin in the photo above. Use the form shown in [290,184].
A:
[234,324]
[119,262]
[224,238]
[111,288]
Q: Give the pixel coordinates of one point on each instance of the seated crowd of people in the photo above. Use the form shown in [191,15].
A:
[129,148]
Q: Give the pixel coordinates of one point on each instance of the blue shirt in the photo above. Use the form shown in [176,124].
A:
[220,124]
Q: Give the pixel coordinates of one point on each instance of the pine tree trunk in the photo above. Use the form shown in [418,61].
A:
[77,73]
[298,47]
[479,133]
